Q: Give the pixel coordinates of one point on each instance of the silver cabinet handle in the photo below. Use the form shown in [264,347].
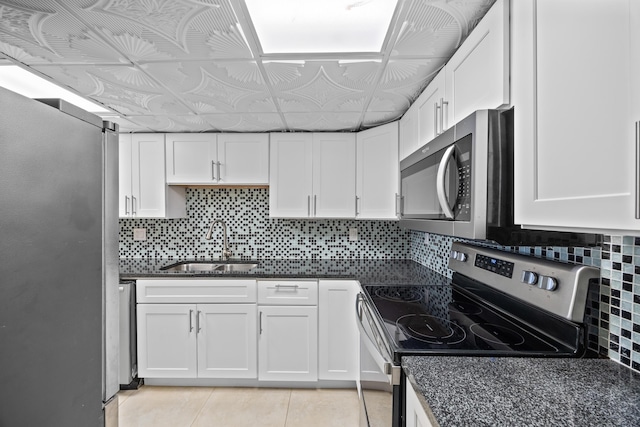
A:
[219,175]
[198,328]
[442,169]
[213,170]
[190,321]
[260,323]
[397,200]
[436,107]
[401,205]
[638,170]
[315,205]
[357,203]
[133,206]
[444,111]
[121,288]
[126,205]
[309,205]
[441,115]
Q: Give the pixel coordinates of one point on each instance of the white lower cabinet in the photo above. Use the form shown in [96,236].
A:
[416,416]
[288,330]
[338,340]
[288,343]
[177,339]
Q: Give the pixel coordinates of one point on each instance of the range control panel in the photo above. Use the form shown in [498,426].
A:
[557,287]
[495,265]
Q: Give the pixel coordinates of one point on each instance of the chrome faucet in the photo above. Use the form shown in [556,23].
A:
[226,253]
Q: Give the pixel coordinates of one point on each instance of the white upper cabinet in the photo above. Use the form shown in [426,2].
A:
[312,175]
[408,132]
[377,172]
[290,178]
[217,159]
[575,93]
[475,78]
[144,192]
[431,104]
[334,175]
[477,75]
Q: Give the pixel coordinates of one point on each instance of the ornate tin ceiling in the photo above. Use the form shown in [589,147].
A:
[196,65]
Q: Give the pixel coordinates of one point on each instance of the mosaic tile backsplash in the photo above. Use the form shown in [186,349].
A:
[613,310]
[253,235]
[614,306]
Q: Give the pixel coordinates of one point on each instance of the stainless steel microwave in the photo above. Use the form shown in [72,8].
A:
[456,184]
[461,184]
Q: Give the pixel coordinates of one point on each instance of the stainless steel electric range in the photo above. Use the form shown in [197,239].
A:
[497,304]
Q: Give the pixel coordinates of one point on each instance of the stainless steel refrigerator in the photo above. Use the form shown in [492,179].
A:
[58,265]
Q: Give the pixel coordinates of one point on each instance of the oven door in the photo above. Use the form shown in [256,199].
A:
[379,378]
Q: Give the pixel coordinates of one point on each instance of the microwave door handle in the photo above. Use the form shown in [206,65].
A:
[440,182]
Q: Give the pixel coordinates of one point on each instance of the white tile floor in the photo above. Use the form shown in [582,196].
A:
[237,407]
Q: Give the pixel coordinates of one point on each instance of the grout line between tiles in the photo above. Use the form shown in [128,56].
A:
[286,417]
[202,407]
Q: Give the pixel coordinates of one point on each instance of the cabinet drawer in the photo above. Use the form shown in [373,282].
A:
[195,290]
[288,292]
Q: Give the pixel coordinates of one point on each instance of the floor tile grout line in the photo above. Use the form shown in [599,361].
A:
[204,405]
[286,415]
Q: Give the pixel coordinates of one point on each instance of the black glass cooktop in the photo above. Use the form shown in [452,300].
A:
[450,320]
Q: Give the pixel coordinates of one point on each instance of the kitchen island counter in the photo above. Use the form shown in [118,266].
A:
[367,272]
[493,391]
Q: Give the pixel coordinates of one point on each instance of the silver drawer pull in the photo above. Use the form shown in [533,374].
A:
[292,287]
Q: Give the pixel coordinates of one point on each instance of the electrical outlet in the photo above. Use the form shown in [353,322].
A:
[139,234]
[353,234]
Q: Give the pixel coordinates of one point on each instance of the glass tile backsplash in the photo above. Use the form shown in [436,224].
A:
[253,235]
[614,303]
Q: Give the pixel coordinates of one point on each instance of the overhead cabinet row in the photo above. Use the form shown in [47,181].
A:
[310,175]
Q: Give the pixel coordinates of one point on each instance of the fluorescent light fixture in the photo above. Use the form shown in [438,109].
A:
[321,26]
[28,84]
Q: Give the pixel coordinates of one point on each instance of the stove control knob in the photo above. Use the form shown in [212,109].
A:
[529,277]
[462,257]
[454,254]
[548,283]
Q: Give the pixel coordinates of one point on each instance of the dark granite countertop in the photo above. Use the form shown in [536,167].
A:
[488,391]
[368,272]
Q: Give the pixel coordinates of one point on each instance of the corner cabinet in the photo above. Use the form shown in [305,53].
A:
[144,192]
[338,337]
[377,173]
[217,159]
[312,175]
[213,338]
[288,330]
[577,113]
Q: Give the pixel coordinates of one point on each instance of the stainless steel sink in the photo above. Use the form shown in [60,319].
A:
[195,266]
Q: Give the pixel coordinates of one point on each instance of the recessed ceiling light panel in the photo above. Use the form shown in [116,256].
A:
[321,26]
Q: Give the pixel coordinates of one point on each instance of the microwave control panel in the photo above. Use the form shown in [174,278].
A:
[463,200]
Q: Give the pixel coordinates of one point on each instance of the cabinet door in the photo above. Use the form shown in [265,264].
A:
[415,413]
[244,158]
[338,337]
[377,172]
[408,137]
[166,341]
[288,343]
[148,177]
[227,346]
[124,175]
[477,75]
[191,158]
[290,177]
[574,153]
[334,175]
[430,110]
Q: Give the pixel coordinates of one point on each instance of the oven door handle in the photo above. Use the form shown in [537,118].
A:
[440,182]
[378,347]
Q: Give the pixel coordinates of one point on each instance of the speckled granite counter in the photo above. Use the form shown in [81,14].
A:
[368,272]
[487,391]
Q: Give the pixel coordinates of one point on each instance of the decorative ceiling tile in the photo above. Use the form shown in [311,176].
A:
[187,65]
